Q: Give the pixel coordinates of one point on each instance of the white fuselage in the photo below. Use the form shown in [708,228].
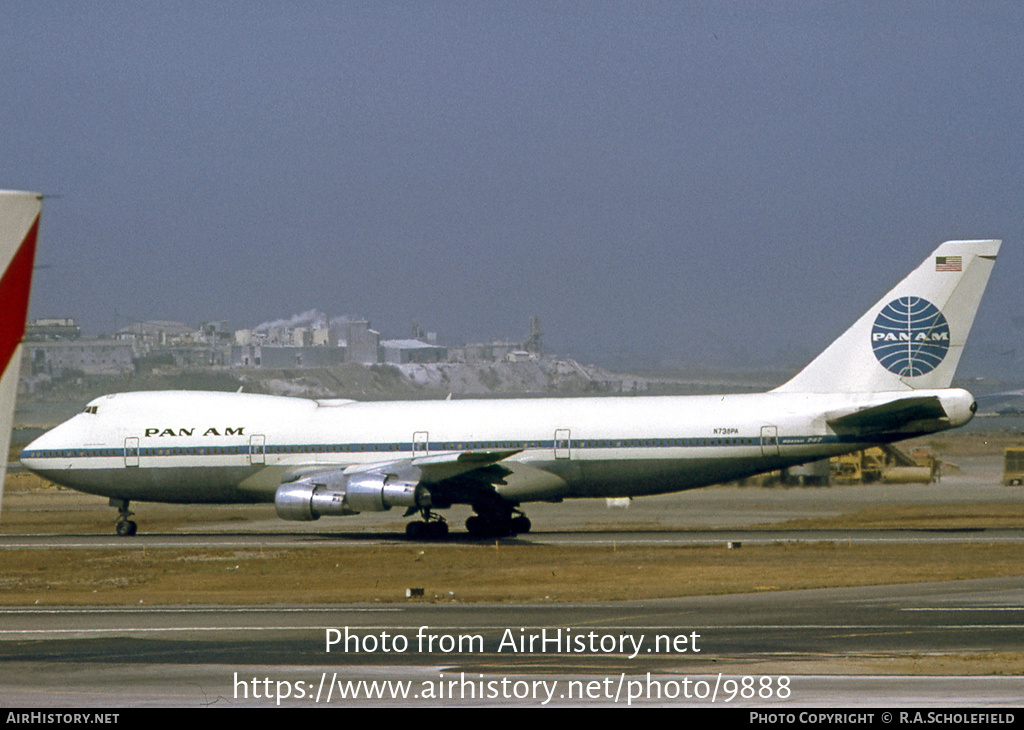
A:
[232,447]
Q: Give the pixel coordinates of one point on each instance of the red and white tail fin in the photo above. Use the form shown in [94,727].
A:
[19,228]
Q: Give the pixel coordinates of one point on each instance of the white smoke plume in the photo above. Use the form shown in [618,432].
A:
[309,318]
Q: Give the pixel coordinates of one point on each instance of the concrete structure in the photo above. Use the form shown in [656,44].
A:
[362,343]
[56,358]
[53,329]
[399,352]
[324,337]
[157,331]
[483,351]
[283,357]
[198,356]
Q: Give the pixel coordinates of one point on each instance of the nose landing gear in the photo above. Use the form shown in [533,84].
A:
[125,527]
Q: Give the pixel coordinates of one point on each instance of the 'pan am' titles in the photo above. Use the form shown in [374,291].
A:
[910,336]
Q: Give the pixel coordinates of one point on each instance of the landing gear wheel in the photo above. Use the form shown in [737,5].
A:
[488,526]
[126,528]
[497,520]
[428,529]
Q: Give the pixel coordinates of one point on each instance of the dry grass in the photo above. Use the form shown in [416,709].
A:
[492,573]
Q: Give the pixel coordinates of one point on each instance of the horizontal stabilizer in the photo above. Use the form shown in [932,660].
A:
[891,416]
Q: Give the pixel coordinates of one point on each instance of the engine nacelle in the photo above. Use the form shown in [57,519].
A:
[334,493]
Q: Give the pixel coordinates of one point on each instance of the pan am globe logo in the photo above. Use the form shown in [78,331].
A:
[910,336]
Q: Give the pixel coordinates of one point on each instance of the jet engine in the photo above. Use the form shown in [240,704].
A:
[335,493]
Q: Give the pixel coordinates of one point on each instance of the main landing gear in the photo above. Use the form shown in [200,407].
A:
[491,523]
[433,527]
[125,527]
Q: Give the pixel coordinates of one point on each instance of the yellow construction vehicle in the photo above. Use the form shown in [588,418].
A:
[1013,466]
[886,464]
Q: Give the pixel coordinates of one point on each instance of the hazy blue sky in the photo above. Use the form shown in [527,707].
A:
[699,183]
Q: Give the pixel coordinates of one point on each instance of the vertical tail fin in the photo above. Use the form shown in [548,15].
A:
[912,338]
[19,228]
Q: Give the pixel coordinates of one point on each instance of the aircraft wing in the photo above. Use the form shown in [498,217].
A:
[890,417]
[482,465]
[416,483]
[437,467]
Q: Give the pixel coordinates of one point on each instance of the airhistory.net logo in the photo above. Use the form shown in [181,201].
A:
[910,337]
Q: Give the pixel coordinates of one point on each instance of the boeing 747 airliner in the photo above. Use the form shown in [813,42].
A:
[19,229]
[885,379]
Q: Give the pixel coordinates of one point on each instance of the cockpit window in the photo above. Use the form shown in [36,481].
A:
[91,409]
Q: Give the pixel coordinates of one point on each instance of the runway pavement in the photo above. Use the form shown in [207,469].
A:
[797,648]
[608,537]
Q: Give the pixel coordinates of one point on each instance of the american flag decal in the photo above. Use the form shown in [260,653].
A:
[948,263]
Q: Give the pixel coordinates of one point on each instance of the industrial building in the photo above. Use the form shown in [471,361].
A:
[400,352]
[55,347]
[58,358]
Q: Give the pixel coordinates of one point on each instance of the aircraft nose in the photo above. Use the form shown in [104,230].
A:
[30,454]
[33,456]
